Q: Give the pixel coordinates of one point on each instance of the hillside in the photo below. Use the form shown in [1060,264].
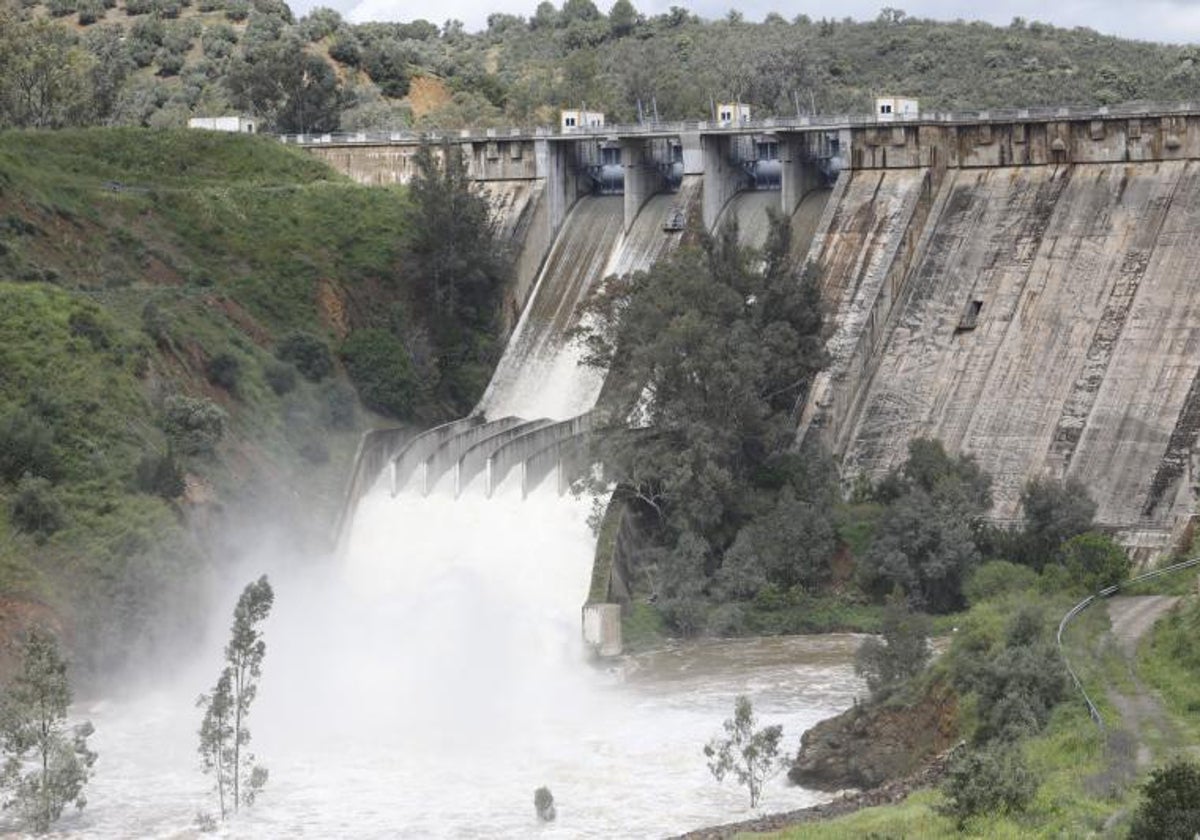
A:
[172,308]
[157,62]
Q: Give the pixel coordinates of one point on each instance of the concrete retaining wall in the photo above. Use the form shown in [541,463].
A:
[375,452]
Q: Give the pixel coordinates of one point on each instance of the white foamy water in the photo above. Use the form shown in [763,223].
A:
[430,684]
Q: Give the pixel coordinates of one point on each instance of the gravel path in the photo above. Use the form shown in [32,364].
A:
[1133,616]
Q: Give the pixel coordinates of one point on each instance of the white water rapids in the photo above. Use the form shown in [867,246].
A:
[427,687]
[428,684]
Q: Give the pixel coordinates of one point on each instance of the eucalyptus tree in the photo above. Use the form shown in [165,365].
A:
[46,763]
[750,755]
[224,736]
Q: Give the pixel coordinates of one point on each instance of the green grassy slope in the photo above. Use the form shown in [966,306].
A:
[129,261]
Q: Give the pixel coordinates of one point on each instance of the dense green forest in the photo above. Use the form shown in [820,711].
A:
[188,322]
[157,62]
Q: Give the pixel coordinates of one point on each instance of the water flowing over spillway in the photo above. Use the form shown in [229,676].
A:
[429,682]
[539,375]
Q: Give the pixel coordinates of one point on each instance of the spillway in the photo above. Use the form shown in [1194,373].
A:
[749,210]
[539,374]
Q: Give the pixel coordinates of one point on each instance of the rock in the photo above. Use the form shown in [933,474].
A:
[869,745]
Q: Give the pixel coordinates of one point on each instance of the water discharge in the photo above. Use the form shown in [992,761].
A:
[425,686]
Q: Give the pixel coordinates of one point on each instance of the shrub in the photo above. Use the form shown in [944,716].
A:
[901,651]
[60,8]
[169,63]
[339,406]
[988,781]
[281,377]
[996,578]
[308,353]
[380,368]
[237,10]
[1171,808]
[83,323]
[345,49]
[194,426]
[224,371]
[1017,683]
[315,451]
[34,509]
[543,803]
[1095,561]
[159,475]
[155,323]
[26,446]
[90,11]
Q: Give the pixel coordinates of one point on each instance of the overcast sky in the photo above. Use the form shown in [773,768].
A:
[1176,21]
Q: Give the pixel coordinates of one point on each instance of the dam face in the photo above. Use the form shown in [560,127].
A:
[1019,286]
[1028,295]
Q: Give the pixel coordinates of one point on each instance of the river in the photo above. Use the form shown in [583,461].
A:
[425,685]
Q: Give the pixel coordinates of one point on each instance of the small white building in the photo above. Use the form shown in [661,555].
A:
[575,120]
[237,125]
[891,108]
[733,113]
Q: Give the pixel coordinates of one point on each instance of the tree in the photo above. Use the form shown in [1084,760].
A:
[751,755]
[926,540]
[1054,512]
[788,546]
[458,266]
[294,91]
[720,340]
[193,426]
[901,651]
[44,74]
[1171,808]
[223,732]
[308,353]
[380,368]
[622,18]
[988,781]
[46,766]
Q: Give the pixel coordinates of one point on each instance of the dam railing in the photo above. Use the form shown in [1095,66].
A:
[1093,711]
[829,122]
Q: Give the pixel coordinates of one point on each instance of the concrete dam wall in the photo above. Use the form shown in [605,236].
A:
[1043,318]
[1019,287]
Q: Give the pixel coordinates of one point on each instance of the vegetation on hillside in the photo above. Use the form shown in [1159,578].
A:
[157,62]
[175,306]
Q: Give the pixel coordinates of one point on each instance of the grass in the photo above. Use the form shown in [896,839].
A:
[642,627]
[1169,663]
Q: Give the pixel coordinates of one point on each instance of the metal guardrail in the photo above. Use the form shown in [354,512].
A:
[1094,712]
[409,137]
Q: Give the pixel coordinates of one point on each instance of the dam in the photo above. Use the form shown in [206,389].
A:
[1016,284]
